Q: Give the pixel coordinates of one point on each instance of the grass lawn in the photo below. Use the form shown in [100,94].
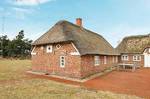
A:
[15,84]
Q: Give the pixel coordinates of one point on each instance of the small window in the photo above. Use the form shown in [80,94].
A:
[116,59]
[113,59]
[105,60]
[96,60]
[136,58]
[62,61]
[49,49]
[124,57]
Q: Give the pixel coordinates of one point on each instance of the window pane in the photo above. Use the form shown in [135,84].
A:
[62,61]
[138,58]
[96,60]
[105,60]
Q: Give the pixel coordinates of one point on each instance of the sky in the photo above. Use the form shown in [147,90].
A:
[113,19]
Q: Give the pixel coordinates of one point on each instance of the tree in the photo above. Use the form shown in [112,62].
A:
[20,36]
[18,47]
[4,45]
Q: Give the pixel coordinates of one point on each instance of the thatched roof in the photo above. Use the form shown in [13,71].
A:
[87,42]
[134,44]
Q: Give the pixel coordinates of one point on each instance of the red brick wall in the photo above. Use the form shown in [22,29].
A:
[76,66]
[88,67]
[49,62]
[130,60]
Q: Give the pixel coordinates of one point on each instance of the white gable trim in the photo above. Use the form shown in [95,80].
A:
[145,53]
[32,52]
[77,51]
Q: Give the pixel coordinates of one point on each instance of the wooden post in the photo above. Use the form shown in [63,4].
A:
[133,67]
[123,66]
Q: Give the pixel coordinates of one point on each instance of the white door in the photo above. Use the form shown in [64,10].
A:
[147,60]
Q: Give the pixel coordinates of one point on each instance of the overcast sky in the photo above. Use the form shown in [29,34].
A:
[113,19]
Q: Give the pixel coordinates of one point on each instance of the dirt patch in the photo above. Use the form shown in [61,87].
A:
[133,83]
[55,79]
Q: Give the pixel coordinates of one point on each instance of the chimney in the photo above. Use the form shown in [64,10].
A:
[79,22]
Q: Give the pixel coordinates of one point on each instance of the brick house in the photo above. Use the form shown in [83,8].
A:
[135,49]
[70,50]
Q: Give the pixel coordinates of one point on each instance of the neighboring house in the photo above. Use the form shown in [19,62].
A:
[70,50]
[135,49]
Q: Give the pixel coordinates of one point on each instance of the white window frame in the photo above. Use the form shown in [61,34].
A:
[116,59]
[62,61]
[49,50]
[124,57]
[135,57]
[113,59]
[105,59]
[96,60]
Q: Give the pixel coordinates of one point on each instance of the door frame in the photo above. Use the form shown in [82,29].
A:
[146,57]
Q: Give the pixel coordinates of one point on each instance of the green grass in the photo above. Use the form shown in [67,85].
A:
[15,84]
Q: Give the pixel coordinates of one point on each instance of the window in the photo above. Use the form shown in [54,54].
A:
[96,60]
[116,59]
[105,60]
[49,49]
[62,61]
[124,57]
[113,60]
[136,58]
